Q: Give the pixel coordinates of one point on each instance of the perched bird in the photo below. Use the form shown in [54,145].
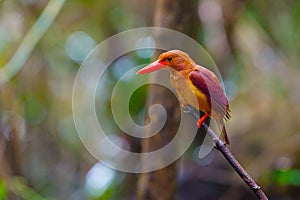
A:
[195,86]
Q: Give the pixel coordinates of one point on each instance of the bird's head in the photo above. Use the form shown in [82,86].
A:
[176,59]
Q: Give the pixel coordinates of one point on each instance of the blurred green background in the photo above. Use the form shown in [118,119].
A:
[255,44]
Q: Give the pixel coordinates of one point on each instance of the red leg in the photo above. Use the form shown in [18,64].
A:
[201,120]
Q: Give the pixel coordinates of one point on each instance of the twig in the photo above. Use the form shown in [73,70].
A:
[221,146]
[30,40]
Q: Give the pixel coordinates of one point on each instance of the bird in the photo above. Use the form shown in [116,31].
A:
[196,86]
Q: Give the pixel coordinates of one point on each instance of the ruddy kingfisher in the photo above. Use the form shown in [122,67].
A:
[195,85]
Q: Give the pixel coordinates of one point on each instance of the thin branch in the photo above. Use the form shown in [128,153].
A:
[221,146]
[30,40]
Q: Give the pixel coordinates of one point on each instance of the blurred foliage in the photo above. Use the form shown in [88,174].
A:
[255,45]
[23,191]
[3,190]
[287,177]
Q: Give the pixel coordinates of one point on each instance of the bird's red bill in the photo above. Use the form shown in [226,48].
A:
[152,67]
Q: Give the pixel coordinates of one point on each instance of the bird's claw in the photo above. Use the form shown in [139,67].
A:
[183,104]
[186,108]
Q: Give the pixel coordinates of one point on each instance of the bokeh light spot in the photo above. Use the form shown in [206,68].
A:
[79,45]
[98,179]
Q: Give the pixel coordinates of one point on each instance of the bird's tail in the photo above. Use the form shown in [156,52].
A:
[223,131]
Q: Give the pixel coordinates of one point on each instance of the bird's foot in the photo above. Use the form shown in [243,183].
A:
[202,119]
[183,104]
[186,108]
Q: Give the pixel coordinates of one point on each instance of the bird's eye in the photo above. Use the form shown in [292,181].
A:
[169,58]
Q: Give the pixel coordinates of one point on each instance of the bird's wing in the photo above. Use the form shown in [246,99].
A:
[207,82]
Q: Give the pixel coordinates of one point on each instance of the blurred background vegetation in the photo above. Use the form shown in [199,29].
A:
[42,43]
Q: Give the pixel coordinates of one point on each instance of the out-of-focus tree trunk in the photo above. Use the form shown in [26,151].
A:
[178,15]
